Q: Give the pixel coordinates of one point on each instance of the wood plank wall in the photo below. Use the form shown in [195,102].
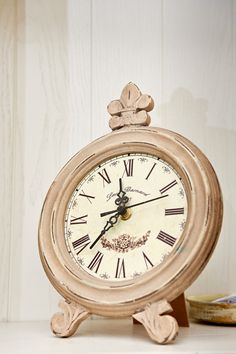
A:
[61,62]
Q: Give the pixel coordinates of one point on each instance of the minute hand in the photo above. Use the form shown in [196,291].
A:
[133,205]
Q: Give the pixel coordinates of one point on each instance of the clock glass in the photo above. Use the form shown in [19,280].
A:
[125,216]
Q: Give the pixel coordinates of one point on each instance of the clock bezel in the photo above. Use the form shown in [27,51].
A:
[180,269]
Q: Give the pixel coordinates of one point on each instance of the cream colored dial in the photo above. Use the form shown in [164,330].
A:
[114,241]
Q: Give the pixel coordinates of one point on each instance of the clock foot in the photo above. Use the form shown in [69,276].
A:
[65,323]
[161,329]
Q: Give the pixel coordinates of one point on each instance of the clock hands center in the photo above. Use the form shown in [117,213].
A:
[132,206]
[121,210]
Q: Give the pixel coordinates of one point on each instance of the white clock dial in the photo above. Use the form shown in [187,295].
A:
[117,247]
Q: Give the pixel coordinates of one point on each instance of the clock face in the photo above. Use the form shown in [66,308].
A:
[125,217]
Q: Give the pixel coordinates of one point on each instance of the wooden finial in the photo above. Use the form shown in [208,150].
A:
[131,108]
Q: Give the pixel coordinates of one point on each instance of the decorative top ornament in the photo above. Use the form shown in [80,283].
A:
[131,108]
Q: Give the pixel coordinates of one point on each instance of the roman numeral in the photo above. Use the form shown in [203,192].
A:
[79,220]
[81,243]
[95,262]
[120,268]
[147,260]
[170,185]
[174,211]
[105,177]
[164,237]
[151,170]
[129,167]
[87,196]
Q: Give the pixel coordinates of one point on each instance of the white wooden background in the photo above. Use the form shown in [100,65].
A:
[61,62]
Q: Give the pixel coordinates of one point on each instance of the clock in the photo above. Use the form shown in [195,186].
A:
[129,222]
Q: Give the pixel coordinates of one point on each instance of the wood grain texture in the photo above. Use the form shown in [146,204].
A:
[204,308]
[126,46]
[52,104]
[198,80]
[73,57]
[7,115]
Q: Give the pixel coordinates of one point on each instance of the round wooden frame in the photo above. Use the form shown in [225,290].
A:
[184,264]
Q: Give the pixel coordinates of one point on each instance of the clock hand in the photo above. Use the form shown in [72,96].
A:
[109,224]
[121,202]
[122,198]
[131,206]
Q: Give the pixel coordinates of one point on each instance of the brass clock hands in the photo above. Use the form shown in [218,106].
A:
[133,205]
[121,209]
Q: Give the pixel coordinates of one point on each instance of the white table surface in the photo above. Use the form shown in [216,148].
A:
[112,336]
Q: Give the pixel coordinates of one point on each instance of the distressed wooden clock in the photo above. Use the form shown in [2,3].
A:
[129,222]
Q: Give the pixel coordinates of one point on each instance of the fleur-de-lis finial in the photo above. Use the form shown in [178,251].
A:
[131,108]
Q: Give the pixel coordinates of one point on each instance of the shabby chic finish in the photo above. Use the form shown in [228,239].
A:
[184,264]
[64,44]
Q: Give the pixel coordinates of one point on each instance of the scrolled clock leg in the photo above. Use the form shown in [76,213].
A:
[65,323]
[161,328]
